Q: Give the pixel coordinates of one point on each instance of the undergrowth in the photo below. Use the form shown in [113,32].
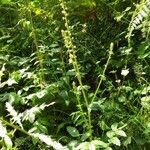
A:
[74,75]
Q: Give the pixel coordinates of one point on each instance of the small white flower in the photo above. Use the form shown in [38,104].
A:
[125,72]
[118,81]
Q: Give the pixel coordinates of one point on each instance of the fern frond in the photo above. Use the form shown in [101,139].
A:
[30,114]
[141,12]
[15,116]
[50,142]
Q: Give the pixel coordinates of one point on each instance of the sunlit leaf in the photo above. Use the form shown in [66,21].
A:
[121,133]
[115,141]
[100,143]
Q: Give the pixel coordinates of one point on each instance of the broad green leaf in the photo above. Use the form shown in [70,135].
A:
[115,141]
[110,134]
[114,126]
[100,143]
[121,133]
[73,131]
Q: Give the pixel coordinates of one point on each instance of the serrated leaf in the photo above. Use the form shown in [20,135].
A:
[47,140]
[73,131]
[3,131]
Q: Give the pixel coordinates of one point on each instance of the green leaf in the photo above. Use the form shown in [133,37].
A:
[121,133]
[71,72]
[83,146]
[85,136]
[108,148]
[73,131]
[42,128]
[64,94]
[103,125]
[145,102]
[122,99]
[100,143]
[146,90]
[110,134]
[60,126]
[115,141]
[114,126]
[127,141]
[141,52]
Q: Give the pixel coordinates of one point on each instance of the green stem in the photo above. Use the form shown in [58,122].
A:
[72,52]
[103,74]
[39,55]
[18,128]
[85,98]
[15,127]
